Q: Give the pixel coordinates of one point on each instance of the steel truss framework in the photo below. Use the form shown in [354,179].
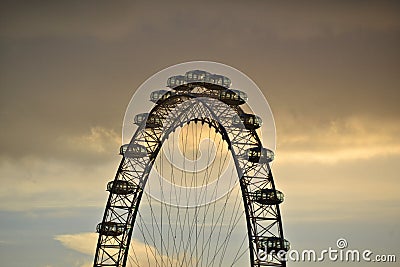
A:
[196,103]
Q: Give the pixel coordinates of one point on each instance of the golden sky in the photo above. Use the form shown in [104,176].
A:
[329,70]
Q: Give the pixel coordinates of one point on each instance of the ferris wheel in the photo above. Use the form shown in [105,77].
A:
[194,186]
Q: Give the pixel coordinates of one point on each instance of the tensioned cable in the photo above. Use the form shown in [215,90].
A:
[187,251]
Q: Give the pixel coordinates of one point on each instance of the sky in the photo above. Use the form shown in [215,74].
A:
[329,70]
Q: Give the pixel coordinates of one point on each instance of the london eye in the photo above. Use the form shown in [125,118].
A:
[194,186]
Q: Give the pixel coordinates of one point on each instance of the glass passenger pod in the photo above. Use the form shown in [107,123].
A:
[110,228]
[233,97]
[197,76]
[220,80]
[273,244]
[249,121]
[160,95]
[268,196]
[133,151]
[260,155]
[152,121]
[175,81]
[121,187]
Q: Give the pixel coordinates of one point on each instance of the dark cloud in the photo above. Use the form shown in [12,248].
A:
[68,67]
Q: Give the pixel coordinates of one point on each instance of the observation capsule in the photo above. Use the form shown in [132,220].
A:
[175,81]
[110,228]
[197,76]
[273,243]
[249,121]
[152,121]
[133,151]
[232,97]
[220,80]
[268,196]
[160,95]
[121,187]
[260,155]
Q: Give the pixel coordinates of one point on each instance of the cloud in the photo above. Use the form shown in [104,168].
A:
[67,171]
[324,19]
[95,145]
[344,139]
[106,22]
[99,141]
[37,182]
[57,101]
[103,21]
[347,192]
[85,243]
